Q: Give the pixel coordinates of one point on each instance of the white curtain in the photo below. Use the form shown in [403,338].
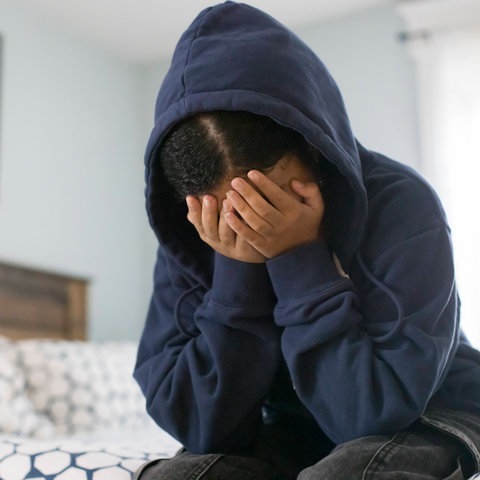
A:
[448,66]
[457,169]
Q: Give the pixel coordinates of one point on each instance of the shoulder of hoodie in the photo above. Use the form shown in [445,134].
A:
[402,205]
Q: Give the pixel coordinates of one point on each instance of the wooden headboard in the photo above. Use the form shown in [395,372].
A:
[39,304]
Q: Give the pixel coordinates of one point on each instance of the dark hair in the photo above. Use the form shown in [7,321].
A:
[207,147]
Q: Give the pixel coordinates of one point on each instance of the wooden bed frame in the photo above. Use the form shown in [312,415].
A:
[40,304]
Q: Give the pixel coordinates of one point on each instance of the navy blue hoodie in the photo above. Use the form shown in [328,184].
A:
[226,341]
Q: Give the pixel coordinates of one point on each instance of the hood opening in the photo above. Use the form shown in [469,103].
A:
[235,57]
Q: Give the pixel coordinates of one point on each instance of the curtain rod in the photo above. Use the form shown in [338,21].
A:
[406,36]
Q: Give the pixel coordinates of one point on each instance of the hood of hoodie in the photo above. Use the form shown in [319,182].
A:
[236,57]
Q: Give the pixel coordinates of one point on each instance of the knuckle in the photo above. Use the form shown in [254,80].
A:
[263,230]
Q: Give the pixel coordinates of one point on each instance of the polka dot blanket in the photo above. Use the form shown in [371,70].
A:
[72,411]
[69,459]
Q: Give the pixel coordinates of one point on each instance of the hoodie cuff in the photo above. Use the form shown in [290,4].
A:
[242,285]
[302,271]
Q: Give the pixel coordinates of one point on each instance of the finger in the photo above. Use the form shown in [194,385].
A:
[275,195]
[210,217]
[255,199]
[254,210]
[309,192]
[227,207]
[194,215]
[225,233]
[240,228]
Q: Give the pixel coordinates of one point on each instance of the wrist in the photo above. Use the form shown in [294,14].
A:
[242,284]
[312,267]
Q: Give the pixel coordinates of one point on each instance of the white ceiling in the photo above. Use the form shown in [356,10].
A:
[147,30]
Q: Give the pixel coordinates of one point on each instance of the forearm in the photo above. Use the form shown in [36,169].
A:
[361,360]
[207,390]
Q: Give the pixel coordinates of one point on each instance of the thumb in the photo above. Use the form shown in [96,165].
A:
[309,192]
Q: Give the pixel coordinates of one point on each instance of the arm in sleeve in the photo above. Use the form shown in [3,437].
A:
[367,364]
[206,388]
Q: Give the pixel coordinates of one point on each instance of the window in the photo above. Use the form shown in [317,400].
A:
[445,43]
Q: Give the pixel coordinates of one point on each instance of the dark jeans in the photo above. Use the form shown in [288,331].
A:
[420,452]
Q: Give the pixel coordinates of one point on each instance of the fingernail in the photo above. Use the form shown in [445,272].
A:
[253,175]
[237,183]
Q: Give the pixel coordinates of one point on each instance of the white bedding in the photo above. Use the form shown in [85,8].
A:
[97,456]
[72,411]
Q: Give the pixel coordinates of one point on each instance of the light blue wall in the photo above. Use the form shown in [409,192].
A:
[376,76]
[71,181]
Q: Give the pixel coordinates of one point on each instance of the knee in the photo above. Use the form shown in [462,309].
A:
[324,470]
[347,461]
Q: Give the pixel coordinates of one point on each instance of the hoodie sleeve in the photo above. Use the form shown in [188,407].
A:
[206,373]
[366,354]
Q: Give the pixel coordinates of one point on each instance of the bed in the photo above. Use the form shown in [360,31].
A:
[69,407]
